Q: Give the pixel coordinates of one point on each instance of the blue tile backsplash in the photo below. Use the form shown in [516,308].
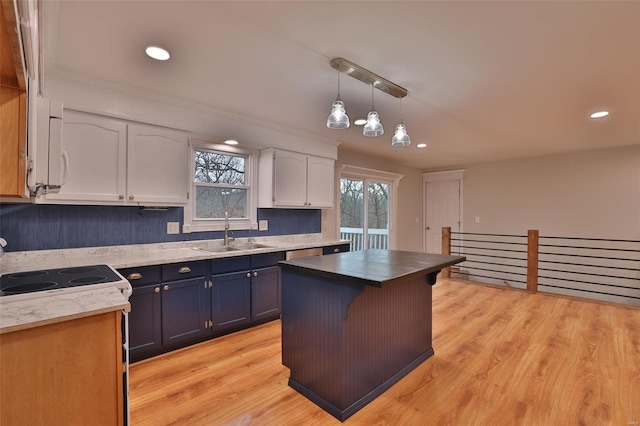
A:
[41,227]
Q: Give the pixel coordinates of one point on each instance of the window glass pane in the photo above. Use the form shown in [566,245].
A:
[352,212]
[212,202]
[215,167]
[378,215]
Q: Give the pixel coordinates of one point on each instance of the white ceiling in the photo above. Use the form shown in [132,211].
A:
[486,80]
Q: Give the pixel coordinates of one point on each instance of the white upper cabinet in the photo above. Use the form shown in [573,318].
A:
[293,180]
[157,171]
[108,161]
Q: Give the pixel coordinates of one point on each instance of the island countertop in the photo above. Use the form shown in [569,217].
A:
[373,267]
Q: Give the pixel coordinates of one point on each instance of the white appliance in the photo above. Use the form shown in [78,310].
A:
[51,164]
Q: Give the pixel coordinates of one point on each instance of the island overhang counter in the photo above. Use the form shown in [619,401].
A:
[355,323]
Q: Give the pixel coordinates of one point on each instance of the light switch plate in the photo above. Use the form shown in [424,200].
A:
[263,225]
[173,227]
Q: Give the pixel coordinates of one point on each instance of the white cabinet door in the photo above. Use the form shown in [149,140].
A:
[289,179]
[320,182]
[95,171]
[157,168]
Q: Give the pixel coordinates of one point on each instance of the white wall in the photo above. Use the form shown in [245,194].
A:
[409,223]
[583,194]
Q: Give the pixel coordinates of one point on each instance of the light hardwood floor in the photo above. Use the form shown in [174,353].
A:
[502,357]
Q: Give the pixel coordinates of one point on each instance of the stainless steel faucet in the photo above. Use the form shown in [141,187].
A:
[226,228]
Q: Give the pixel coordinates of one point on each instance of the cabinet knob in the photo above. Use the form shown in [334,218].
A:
[131,197]
[134,276]
[248,274]
[255,274]
[336,250]
[165,288]
[156,290]
[121,196]
[184,270]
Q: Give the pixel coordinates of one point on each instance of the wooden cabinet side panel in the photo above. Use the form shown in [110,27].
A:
[64,373]
[13,142]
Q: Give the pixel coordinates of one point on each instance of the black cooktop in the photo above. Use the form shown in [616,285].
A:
[49,279]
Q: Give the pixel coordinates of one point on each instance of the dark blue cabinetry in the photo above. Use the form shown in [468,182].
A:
[231,304]
[265,293]
[185,310]
[166,311]
[145,331]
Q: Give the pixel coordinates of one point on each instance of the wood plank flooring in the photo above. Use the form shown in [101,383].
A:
[502,357]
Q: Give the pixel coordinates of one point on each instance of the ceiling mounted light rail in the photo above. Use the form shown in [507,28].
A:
[338,118]
[368,77]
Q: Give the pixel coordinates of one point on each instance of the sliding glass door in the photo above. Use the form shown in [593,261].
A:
[364,213]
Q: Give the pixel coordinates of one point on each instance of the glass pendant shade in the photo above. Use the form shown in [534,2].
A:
[373,127]
[338,118]
[401,137]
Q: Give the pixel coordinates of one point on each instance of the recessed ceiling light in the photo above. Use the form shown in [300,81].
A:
[599,114]
[231,142]
[360,121]
[157,53]
[422,145]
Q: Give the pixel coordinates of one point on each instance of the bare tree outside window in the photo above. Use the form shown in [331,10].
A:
[220,185]
[352,213]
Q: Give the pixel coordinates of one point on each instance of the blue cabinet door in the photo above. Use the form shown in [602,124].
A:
[145,333]
[185,313]
[265,293]
[231,300]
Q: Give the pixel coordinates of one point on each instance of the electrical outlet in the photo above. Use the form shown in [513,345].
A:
[254,226]
[173,227]
[263,225]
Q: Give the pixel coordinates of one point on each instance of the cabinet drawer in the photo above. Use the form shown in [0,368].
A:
[335,249]
[230,264]
[266,259]
[142,275]
[179,271]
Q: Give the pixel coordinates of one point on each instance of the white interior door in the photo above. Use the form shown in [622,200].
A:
[442,208]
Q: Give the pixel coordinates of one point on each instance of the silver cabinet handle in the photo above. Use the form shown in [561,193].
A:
[156,290]
[336,250]
[184,270]
[248,274]
[255,274]
[131,197]
[121,197]
[134,276]
[165,288]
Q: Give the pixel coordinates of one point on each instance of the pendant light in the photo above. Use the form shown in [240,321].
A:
[338,118]
[401,137]
[373,127]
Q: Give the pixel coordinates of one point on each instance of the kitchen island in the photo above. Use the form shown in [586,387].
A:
[355,323]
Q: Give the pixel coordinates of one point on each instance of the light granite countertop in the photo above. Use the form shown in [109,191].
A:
[128,256]
[24,314]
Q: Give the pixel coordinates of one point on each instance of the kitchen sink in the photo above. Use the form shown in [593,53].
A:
[250,246]
[216,249]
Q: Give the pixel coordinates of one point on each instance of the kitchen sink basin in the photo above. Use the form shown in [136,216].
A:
[250,246]
[216,249]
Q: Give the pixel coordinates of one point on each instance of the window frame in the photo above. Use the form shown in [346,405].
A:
[193,224]
[367,175]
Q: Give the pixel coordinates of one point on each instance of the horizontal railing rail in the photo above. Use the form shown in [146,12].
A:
[376,238]
[605,269]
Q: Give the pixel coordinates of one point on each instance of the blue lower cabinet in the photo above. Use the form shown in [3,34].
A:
[231,302]
[185,310]
[265,293]
[145,320]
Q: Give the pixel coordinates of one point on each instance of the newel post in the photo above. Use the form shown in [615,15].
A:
[446,249]
[532,260]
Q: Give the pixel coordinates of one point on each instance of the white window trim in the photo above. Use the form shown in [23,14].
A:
[393,179]
[204,225]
